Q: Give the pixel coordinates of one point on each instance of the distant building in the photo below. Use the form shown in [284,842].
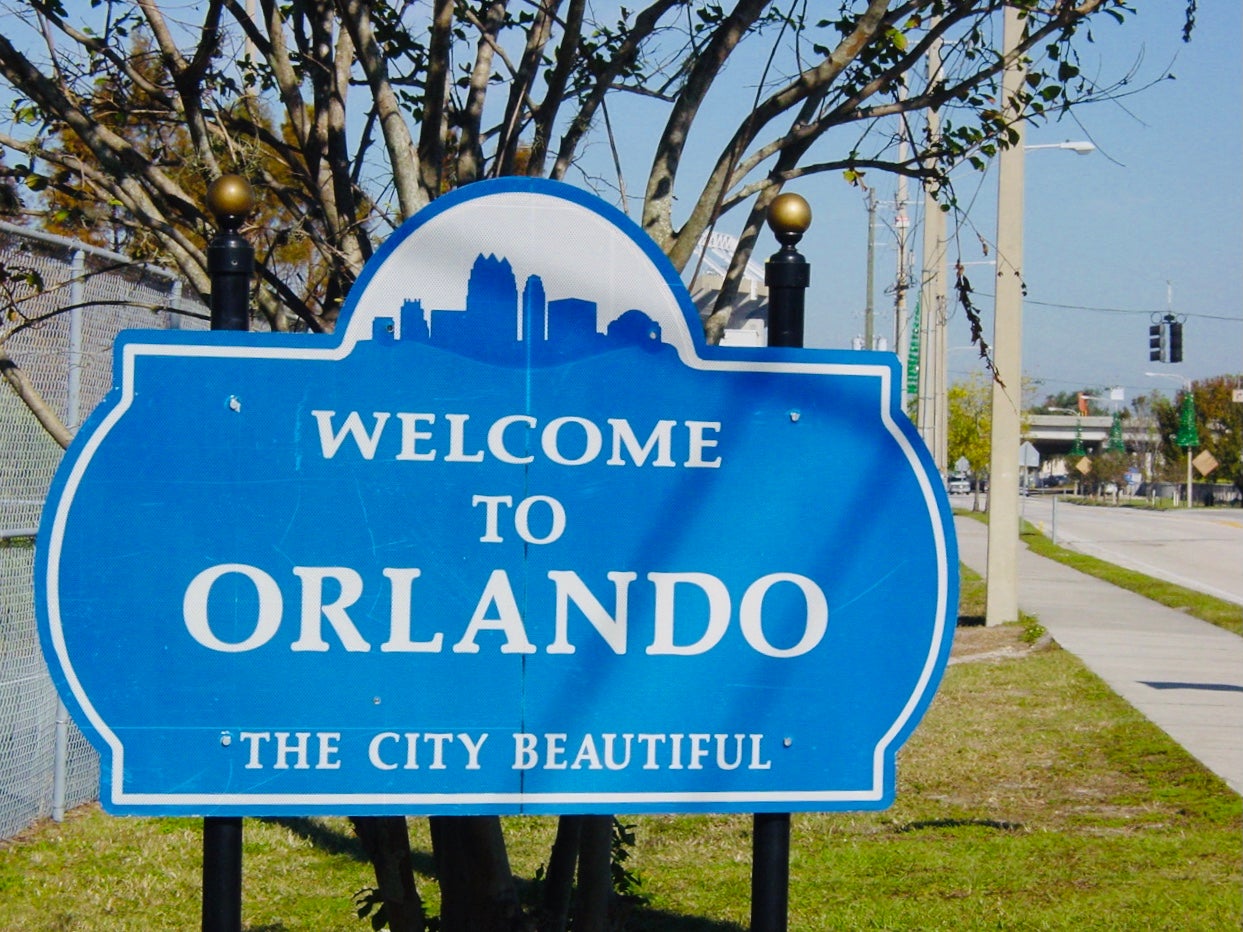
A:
[749,310]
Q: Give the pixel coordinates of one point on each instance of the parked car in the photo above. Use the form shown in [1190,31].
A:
[958,485]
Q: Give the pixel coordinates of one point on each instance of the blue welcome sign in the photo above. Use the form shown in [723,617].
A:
[514,539]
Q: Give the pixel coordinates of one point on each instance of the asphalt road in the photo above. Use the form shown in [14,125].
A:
[1200,548]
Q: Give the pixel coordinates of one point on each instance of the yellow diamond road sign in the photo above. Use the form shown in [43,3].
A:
[1205,463]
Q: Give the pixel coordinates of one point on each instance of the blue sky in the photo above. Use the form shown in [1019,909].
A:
[1161,201]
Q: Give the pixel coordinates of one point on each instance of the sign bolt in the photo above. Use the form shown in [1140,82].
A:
[225,739]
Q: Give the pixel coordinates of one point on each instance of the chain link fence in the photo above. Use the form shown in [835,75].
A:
[63,304]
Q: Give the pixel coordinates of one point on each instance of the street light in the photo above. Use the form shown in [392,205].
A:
[1079,147]
[1186,422]
[1002,593]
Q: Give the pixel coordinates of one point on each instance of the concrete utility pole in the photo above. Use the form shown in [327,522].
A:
[933,410]
[901,334]
[869,310]
[1002,598]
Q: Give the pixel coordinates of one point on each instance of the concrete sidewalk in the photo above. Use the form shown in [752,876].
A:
[1182,673]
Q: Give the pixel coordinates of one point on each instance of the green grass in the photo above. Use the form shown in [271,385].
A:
[1030,798]
[1144,504]
[972,590]
[94,871]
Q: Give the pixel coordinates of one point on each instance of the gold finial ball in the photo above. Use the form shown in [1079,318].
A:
[789,214]
[230,199]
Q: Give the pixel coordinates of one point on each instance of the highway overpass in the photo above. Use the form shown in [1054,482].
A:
[1053,434]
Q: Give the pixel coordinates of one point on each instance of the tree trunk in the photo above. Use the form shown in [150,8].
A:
[559,881]
[477,892]
[386,840]
[595,878]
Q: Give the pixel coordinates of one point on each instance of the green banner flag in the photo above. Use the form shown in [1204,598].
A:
[912,359]
[1187,436]
[1116,444]
[1076,448]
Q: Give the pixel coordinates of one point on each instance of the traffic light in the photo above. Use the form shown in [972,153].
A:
[1156,343]
[1176,341]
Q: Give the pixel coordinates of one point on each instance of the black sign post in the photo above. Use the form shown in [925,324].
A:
[787,275]
[230,264]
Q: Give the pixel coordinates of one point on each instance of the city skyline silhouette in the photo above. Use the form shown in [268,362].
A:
[507,324]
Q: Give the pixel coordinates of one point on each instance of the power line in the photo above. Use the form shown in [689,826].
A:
[1116,310]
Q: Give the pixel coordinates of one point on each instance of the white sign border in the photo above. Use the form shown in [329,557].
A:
[131,349]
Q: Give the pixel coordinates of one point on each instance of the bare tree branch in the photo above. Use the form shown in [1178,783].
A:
[470,155]
[35,401]
[403,157]
[623,57]
[557,78]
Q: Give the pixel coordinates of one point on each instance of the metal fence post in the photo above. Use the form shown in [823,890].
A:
[787,275]
[73,419]
[230,263]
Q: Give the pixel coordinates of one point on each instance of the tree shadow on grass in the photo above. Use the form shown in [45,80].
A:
[334,841]
[326,838]
[641,920]
[628,916]
[331,840]
[655,920]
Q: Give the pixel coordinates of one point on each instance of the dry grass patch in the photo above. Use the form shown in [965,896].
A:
[976,643]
